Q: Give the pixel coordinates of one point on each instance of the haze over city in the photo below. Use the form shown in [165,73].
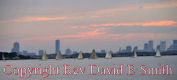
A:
[86,24]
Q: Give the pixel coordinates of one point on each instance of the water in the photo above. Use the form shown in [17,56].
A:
[101,62]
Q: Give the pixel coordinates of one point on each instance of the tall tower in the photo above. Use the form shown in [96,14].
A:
[162,46]
[146,47]
[57,46]
[16,47]
[128,49]
[150,46]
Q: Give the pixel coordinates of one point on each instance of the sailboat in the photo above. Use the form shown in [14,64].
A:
[59,56]
[108,55]
[134,53]
[157,53]
[93,54]
[44,56]
[80,56]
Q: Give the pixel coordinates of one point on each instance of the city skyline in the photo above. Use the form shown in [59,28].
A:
[86,24]
[148,47]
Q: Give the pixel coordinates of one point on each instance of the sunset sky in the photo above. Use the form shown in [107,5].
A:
[86,24]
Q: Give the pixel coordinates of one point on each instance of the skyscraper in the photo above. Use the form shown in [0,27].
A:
[173,47]
[162,46]
[103,51]
[128,49]
[175,42]
[135,48]
[41,52]
[16,47]
[148,47]
[57,46]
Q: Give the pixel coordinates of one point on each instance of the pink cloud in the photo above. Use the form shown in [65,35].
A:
[94,16]
[82,35]
[140,24]
[155,23]
[111,10]
[76,27]
[160,23]
[31,19]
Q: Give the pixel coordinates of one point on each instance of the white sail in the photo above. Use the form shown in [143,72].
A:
[108,55]
[158,53]
[134,53]
[44,56]
[80,56]
[59,56]
[93,54]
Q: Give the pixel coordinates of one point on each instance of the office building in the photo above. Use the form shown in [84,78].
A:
[173,47]
[57,46]
[41,52]
[68,51]
[16,47]
[128,49]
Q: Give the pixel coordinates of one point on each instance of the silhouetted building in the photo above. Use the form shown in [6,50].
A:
[68,51]
[75,52]
[57,46]
[26,53]
[162,46]
[103,51]
[128,49]
[173,47]
[31,54]
[16,47]
[41,52]
[145,46]
[135,48]
[148,47]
